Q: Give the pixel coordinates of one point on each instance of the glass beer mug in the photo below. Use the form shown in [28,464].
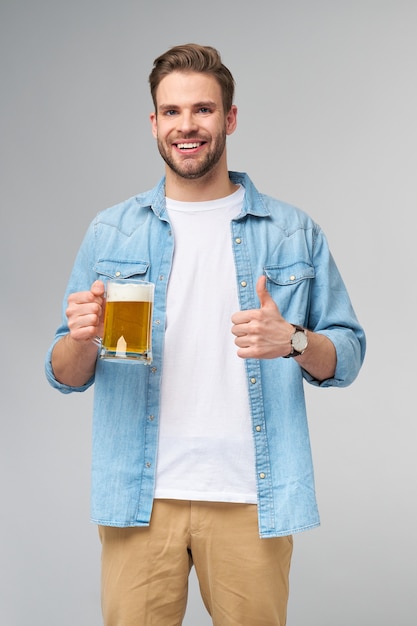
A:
[127,321]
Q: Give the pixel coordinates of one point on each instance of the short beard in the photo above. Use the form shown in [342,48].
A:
[204,168]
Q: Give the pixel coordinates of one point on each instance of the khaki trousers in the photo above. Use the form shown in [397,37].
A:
[243,579]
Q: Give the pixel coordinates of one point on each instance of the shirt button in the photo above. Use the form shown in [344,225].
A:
[262,475]
[118,273]
[253,381]
[258,429]
[292,277]
[151,418]
[148,464]
[243,283]
[238,240]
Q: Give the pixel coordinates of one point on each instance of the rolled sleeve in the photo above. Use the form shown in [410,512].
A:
[350,345]
[51,376]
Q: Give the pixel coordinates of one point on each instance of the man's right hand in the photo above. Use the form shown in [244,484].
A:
[74,355]
[85,313]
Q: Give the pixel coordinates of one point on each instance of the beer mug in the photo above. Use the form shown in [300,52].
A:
[128,321]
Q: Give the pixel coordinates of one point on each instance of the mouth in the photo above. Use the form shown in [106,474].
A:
[189,146]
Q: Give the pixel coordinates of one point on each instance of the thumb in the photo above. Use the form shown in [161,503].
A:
[97,288]
[264,296]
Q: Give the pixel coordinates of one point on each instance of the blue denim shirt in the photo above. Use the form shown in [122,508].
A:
[269,237]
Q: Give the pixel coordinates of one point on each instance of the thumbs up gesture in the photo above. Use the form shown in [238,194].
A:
[262,333]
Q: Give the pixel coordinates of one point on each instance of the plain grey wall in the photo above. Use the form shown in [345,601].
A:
[327,99]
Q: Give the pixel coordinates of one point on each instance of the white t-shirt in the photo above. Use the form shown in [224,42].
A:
[206,449]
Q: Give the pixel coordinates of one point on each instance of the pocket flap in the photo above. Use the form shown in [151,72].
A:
[120,269]
[289,274]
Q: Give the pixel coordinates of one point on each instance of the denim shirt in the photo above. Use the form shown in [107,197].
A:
[269,237]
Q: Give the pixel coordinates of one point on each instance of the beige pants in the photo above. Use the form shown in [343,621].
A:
[243,579]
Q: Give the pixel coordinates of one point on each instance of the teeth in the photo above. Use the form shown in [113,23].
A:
[185,146]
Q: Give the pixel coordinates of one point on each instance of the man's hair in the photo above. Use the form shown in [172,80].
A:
[193,58]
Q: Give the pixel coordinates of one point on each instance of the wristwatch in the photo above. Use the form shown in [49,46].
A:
[299,341]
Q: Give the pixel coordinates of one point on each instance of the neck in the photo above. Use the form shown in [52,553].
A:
[216,184]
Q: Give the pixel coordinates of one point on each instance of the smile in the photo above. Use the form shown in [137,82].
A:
[188,146]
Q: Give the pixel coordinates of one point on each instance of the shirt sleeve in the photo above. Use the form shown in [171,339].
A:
[81,279]
[331,313]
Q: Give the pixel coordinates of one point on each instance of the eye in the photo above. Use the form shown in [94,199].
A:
[170,112]
[204,110]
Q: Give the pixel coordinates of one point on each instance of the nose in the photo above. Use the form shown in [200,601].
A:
[187,122]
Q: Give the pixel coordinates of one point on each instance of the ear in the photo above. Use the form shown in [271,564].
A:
[231,120]
[153,120]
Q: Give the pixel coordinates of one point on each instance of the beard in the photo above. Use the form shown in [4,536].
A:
[193,167]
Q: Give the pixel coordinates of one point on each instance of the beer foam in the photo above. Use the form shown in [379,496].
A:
[129,292]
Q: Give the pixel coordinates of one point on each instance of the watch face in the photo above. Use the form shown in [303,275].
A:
[299,341]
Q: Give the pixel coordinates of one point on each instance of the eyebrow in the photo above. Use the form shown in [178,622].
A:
[210,104]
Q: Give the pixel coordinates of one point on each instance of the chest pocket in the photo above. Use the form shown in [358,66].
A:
[289,286]
[108,268]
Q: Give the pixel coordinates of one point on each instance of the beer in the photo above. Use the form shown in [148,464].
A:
[127,320]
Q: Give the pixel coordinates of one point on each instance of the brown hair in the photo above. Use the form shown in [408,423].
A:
[193,58]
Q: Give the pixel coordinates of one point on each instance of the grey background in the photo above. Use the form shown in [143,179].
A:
[327,100]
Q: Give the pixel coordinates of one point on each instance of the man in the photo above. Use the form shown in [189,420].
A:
[203,458]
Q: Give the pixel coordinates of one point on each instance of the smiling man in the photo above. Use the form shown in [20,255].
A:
[191,132]
[203,459]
